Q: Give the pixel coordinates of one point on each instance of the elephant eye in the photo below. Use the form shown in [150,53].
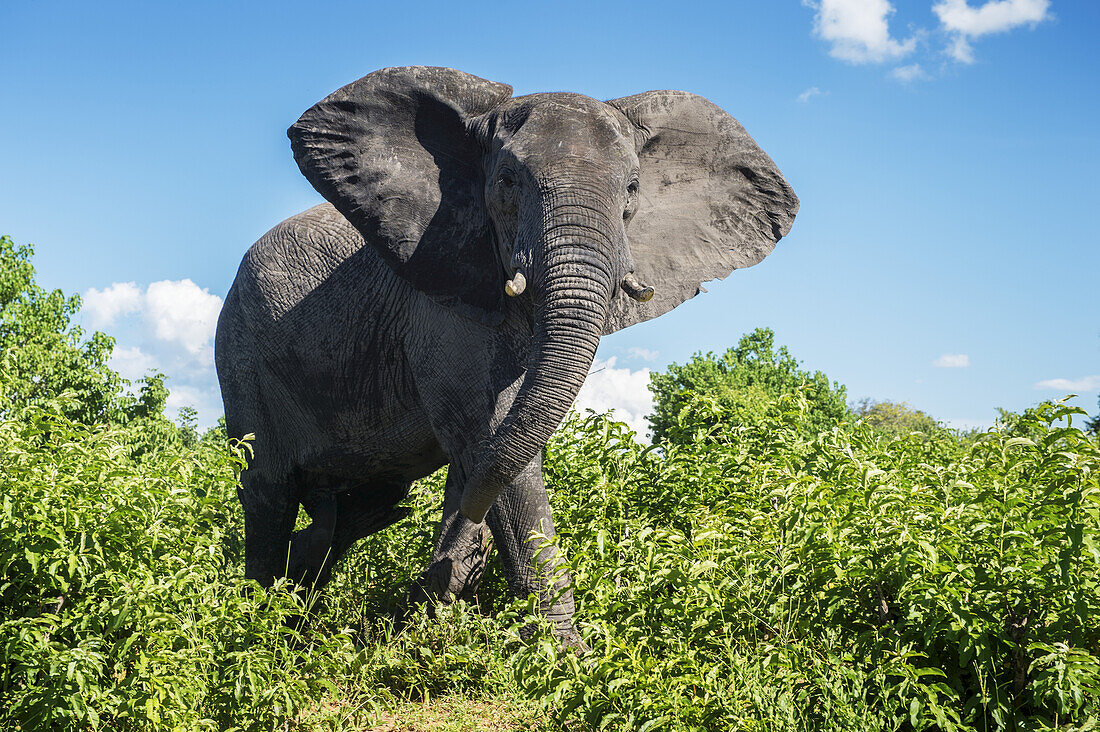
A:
[507,179]
[631,200]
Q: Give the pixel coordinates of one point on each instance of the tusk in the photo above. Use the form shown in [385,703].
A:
[516,285]
[636,290]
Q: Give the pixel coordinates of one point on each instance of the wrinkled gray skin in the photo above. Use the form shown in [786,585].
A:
[369,341]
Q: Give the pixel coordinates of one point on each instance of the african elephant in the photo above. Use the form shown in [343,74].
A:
[444,306]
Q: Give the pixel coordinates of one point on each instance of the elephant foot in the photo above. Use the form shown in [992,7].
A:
[457,566]
[569,639]
[449,579]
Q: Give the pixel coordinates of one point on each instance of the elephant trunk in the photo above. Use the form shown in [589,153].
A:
[572,289]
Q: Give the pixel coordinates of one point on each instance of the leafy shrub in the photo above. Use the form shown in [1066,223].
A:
[747,382]
[763,578]
[122,602]
[41,354]
[894,419]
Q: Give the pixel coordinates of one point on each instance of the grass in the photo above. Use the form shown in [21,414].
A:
[461,714]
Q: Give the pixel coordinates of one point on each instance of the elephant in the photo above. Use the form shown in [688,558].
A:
[444,306]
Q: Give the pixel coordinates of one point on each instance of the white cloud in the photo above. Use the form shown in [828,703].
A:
[132,363]
[171,329]
[182,312]
[104,306]
[645,354]
[205,399]
[952,361]
[966,23]
[912,72]
[621,390]
[961,50]
[809,94]
[859,30]
[1085,383]
[178,311]
[993,16]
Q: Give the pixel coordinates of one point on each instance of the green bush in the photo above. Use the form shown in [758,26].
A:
[746,382]
[762,578]
[123,605]
[894,419]
[122,602]
[41,354]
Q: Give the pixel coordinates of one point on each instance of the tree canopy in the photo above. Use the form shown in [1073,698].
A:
[895,418]
[47,360]
[42,355]
[747,383]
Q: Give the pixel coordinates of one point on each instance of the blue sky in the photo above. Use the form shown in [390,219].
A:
[944,153]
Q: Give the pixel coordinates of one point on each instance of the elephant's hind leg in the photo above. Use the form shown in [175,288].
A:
[311,555]
[365,509]
[341,514]
[270,508]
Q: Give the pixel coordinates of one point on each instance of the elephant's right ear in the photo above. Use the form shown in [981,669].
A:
[394,154]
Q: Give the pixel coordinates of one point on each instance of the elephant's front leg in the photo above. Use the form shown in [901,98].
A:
[461,551]
[523,530]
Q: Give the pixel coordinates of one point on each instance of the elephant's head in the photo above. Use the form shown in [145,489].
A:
[604,214]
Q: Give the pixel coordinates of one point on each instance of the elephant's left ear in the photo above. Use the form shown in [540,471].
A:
[394,153]
[711,201]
